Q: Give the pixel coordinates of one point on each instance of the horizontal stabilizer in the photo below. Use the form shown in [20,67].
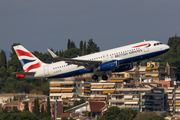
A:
[24,73]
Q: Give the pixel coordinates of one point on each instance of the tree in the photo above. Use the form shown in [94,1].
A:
[42,111]
[114,113]
[3,61]
[37,107]
[5,110]
[82,100]
[61,53]
[48,108]
[111,113]
[81,47]
[148,116]
[17,115]
[76,102]
[70,45]
[15,64]
[92,47]
[3,72]
[127,114]
[34,108]
[84,48]
[64,118]
[26,108]
[71,53]
[86,113]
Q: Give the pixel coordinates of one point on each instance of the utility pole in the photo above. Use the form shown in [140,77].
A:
[174,97]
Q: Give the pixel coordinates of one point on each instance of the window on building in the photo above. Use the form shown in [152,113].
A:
[21,108]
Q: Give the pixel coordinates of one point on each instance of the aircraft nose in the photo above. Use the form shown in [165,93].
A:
[167,47]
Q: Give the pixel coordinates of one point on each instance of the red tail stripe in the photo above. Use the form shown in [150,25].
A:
[141,45]
[23,53]
[37,65]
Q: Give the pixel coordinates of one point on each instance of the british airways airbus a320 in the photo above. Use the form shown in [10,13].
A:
[117,59]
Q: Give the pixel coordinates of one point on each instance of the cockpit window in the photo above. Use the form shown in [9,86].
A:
[157,44]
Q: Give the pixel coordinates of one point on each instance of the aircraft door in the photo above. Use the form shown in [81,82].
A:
[146,49]
[46,71]
[107,56]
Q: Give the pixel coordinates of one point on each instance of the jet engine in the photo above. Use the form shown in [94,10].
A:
[124,67]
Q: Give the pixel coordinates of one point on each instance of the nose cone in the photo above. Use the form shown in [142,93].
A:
[167,47]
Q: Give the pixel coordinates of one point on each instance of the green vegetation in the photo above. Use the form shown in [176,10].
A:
[148,116]
[18,115]
[64,118]
[44,115]
[114,113]
[26,107]
[36,109]
[48,108]
[76,102]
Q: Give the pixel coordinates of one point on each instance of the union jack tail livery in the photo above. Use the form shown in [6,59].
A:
[29,62]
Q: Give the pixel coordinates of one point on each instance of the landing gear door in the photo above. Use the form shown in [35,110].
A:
[46,71]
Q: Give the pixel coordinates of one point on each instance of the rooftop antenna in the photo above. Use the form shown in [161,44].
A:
[144,40]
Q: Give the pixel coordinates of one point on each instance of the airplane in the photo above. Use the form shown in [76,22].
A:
[116,60]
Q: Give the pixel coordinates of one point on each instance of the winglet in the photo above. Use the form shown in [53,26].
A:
[52,54]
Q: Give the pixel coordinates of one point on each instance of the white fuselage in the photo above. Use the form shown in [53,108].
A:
[125,54]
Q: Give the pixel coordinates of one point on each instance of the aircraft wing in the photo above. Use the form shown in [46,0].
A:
[87,63]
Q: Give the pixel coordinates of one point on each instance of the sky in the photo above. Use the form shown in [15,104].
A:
[42,24]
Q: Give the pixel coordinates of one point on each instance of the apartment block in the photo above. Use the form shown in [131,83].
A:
[143,88]
[6,98]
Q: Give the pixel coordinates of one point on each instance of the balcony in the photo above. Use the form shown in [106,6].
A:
[116,100]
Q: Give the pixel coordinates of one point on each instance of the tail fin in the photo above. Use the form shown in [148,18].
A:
[28,61]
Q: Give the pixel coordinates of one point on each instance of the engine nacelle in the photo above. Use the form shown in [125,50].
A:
[124,67]
[108,65]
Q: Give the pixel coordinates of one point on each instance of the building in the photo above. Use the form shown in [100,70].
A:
[20,105]
[94,108]
[6,98]
[143,88]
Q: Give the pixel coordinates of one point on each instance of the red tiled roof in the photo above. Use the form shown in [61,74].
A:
[64,115]
[15,103]
[96,106]
[75,113]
